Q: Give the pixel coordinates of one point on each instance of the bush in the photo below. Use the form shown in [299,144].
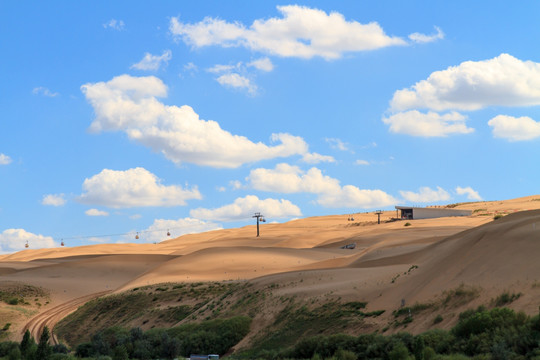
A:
[407,224]
[60,349]
[438,319]
[13,301]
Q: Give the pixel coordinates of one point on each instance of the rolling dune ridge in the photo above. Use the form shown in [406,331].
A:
[391,264]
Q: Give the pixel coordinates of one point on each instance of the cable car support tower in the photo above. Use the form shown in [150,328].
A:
[261,218]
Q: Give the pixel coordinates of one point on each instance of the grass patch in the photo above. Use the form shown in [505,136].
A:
[161,305]
[21,294]
[505,298]
[460,296]
[405,315]
[297,321]
[416,308]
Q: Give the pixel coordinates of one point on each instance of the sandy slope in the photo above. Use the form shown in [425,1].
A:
[492,255]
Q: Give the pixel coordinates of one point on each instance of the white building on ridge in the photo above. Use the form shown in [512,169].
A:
[411,212]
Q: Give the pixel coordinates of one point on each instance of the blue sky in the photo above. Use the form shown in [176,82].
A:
[124,117]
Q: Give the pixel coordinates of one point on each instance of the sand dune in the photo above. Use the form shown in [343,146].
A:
[500,255]
[474,250]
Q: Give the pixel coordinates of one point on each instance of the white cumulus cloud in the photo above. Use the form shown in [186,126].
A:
[426,195]
[130,104]
[285,178]
[158,230]
[471,194]
[133,188]
[301,32]
[472,85]
[96,212]
[4,159]
[429,124]
[237,81]
[244,208]
[153,62]
[12,240]
[515,129]
[54,200]
[423,38]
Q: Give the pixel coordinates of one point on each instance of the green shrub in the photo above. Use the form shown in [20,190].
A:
[438,319]
[13,301]
[407,224]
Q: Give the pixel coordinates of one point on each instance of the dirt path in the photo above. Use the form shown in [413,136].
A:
[52,316]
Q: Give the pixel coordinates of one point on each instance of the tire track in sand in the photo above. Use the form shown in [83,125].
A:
[52,316]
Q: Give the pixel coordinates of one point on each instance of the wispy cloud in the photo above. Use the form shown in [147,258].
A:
[361,162]
[115,25]
[158,230]
[40,90]
[426,195]
[263,64]
[4,159]
[337,144]
[471,194]
[315,158]
[153,62]
[423,38]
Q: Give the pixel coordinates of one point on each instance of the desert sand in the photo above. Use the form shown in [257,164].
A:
[431,256]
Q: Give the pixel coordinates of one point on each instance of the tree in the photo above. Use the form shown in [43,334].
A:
[419,348]
[44,349]
[26,344]
[170,346]
[399,352]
